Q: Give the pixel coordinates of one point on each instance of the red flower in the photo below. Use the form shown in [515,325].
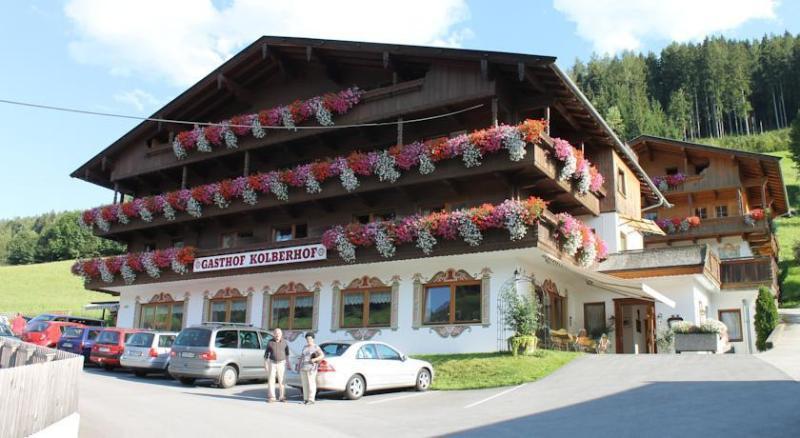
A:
[161,259]
[437,148]
[227,190]
[359,162]
[185,255]
[532,129]
[108,213]
[135,263]
[129,209]
[240,124]
[321,170]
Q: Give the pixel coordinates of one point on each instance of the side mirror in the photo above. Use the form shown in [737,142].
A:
[403,357]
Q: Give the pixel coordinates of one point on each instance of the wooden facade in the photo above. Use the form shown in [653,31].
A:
[401,83]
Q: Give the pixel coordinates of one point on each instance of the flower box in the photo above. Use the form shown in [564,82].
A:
[710,342]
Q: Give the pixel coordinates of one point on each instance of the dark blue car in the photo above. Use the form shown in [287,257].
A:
[78,340]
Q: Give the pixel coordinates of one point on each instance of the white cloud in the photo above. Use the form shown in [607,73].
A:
[615,25]
[182,40]
[136,98]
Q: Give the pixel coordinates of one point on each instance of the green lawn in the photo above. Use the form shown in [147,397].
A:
[788,233]
[45,287]
[489,370]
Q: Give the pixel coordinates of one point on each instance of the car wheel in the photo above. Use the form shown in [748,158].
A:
[355,387]
[188,381]
[140,373]
[423,380]
[228,377]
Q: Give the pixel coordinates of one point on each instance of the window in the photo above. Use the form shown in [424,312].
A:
[249,339]
[293,312]
[701,212]
[621,188]
[651,216]
[387,353]
[141,340]
[245,237]
[149,246]
[672,170]
[699,168]
[452,303]
[193,337]
[334,349]
[228,310]
[289,232]
[721,211]
[594,319]
[92,335]
[623,241]
[552,309]
[227,339]
[366,308]
[374,217]
[228,240]
[177,243]
[162,316]
[108,337]
[367,352]
[732,318]
[166,341]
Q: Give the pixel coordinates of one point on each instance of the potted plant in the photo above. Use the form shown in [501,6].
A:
[522,317]
[707,336]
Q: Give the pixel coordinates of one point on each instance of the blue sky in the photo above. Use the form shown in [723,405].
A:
[131,56]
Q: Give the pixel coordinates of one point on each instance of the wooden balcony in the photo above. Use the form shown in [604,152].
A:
[537,172]
[716,227]
[749,273]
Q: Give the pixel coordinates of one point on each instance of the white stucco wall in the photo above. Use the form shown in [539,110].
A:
[609,226]
[744,300]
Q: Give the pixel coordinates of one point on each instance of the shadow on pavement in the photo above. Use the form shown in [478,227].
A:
[710,409]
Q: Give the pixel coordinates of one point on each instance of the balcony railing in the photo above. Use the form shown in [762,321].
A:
[725,226]
[749,272]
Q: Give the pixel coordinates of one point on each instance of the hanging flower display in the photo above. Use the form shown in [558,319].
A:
[576,167]
[669,182]
[227,132]
[755,215]
[425,230]
[128,265]
[678,225]
[580,241]
[387,165]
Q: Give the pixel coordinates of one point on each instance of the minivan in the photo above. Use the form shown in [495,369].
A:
[147,352]
[223,352]
[46,333]
[78,340]
[109,346]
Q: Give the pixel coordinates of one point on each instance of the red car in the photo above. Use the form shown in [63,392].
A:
[109,346]
[46,333]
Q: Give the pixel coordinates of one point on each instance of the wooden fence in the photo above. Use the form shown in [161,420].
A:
[38,387]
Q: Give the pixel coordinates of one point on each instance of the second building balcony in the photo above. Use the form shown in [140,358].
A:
[714,227]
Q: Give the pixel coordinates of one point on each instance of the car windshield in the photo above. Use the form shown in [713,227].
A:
[42,318]
[141,340]
[108,337]
[193,337]
[37,326]
[86,321]
[5,331]
[72,332]
[333,349]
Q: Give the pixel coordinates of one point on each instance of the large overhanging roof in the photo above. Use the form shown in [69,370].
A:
[753,165]
[540,73]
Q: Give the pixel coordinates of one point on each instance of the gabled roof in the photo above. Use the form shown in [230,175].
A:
[752,164]
[538,72]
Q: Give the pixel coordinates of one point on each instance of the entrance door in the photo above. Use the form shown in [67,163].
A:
[634,325]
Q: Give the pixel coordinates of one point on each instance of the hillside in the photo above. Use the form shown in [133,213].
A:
[39,288]
[789,233]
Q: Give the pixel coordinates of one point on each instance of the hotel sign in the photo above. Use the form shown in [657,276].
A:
[267,257]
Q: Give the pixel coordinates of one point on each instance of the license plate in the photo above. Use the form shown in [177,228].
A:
[66,345]
[136,353]
[104,349]
[188,354]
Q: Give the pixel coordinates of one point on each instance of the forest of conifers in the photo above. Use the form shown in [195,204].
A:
[714,88]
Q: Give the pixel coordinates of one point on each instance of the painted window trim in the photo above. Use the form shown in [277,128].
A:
[171,304]
[452,285]
[738,319]
[365,292]
[228,305]
[291,298]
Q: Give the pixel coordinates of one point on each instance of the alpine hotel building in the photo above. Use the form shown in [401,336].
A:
[375,191]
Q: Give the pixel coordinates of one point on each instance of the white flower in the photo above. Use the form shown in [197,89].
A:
[347,251]
[584,181]
[468,230]
[150,265]
[426,166]
[385,169]
[127,273]
[286,117]
[122,217]
[324,116]
[169,212]
[202,142]
[513,142]
[100,222]
[471,155]
[83,224]
[311,184]
[249,196]
[194,208]
[425,240]
[348,178]
[384,244]
[220,201]
[514,224]
[105,274]
[145,214]
[258,130]
[279,189]
[570,165]
[178,268]
[229,137]
[178,150]
[572,242]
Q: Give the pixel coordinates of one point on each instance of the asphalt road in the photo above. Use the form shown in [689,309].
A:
[614,395]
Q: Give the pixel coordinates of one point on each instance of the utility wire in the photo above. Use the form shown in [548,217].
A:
[187,122]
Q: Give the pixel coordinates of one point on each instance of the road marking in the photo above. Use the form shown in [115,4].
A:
[396,398]
[494,396]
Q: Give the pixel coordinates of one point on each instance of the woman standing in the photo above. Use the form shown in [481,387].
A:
[310,358]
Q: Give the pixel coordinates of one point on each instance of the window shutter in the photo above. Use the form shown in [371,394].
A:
[248,308]
[137,313]
[337,293]
[395,301]
[184,316]
[486,296]
[266,308]
[417,322]
[315,317]
[204,317]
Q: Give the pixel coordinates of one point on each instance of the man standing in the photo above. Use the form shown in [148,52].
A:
[18,324]
[275,361]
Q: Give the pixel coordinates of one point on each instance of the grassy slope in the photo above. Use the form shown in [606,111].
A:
[34,289]
[788,234]
[489,370]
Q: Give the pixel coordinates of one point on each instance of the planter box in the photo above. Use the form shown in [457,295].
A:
[711,342]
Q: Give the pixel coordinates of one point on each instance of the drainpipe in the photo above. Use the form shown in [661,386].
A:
[747,324]
[620,146]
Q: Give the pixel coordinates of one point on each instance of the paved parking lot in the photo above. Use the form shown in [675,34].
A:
[709,395]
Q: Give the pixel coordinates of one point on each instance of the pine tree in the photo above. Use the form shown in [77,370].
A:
[766,318]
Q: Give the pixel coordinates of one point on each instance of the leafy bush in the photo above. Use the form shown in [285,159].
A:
[766,318]
[521,316]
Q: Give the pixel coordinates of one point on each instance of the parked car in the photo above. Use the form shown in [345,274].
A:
[78,340]
[68,318]
[46,333]
[225,353]
[5,332]
[148,352]
[354,367]
[109,346]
